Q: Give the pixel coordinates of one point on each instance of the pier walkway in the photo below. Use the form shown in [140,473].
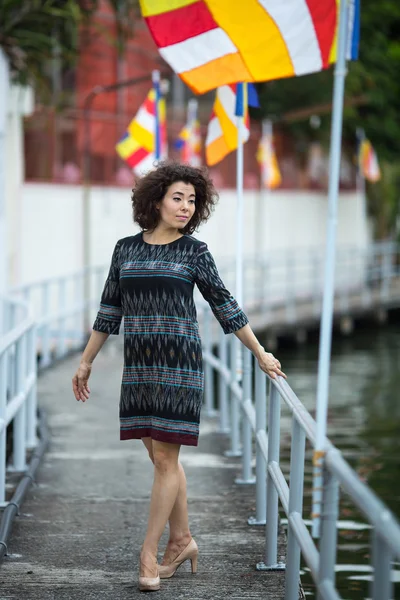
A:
[82,525]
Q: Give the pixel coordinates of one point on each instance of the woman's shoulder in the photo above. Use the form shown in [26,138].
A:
[197,244]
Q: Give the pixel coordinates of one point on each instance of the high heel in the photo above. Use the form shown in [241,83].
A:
[149,584]
[189,553]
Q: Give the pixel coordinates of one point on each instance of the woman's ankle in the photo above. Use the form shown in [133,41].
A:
[179,538]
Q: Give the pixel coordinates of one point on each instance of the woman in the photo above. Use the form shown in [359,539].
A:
[150,284]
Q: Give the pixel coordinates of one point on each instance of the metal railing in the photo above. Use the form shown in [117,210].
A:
[57,327]
[17,386]
[246,414]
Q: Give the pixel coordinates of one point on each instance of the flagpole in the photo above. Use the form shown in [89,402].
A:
[156,85]
[328,295]
[191,119]
[239,192]
[235,414]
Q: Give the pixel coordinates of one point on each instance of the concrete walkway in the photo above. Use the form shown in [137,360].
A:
[81,528]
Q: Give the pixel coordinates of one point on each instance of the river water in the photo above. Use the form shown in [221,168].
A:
[364,423]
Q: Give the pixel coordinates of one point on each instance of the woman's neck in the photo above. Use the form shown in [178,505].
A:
[159,236]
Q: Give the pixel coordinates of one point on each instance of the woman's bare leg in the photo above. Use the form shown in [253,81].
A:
[179,532]
[163,497]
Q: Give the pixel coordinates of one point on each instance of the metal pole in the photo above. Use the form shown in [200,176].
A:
[234,403]
[19,423]
[223,386]
[3,431]
[261,466]
[295,506]
[327,308]
[329,517]
[247,475]
[191,119]
[156,85]
[381,587]
[271,529]
[4,89]
[209,380]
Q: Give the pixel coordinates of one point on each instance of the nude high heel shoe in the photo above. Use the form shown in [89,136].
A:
[189,553]
[149,584]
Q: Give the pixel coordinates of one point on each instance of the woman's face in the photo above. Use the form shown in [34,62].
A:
[178,205]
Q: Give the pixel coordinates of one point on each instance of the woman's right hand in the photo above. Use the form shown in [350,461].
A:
[80,381]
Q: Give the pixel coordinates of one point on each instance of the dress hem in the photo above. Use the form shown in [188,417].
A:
[159,436]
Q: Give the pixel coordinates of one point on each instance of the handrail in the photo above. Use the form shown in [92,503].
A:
[18,375]
[271,483]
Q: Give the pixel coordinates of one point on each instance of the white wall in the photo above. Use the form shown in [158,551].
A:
[50,241]
[20,104]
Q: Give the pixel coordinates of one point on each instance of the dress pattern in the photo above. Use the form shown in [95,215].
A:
[151,287]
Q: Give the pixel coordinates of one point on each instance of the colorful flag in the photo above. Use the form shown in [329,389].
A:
[189,139]
[210,43]
[368,162]
[270,173]
[222,132]
[137,145]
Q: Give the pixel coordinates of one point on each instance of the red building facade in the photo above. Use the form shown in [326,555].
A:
[89,120]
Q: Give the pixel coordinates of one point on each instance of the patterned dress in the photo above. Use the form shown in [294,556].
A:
[151,286]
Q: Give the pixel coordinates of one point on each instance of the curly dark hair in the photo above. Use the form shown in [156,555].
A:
[151,189]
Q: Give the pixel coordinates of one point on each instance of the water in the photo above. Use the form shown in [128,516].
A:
[363,422]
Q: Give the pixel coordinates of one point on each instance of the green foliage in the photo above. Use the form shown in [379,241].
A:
[34,33]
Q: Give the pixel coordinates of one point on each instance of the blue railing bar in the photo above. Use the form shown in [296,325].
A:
[306,542]
[261,445]
[373,508]
[271,529]
[382,588]
[329,518]
[262,442]
[248,423]
[299,411]
[14,404]
[297,454]
[248,409]
[280,484]
[11,337]
[327,591]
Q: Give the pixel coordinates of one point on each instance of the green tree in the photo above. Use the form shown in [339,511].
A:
[33,33]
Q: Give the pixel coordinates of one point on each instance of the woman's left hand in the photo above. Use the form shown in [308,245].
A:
[270,365]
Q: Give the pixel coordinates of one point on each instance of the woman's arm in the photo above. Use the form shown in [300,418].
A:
[93,346]
[267,361]
[80,379]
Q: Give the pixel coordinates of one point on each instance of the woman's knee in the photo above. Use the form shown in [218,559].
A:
[149,447]
[165,456]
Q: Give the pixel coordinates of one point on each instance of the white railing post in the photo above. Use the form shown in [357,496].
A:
[329,518]
[19,424]
[297,453]
[271,528]
[261,466]
[208,369]
[45,328]
[223,386]
[3,401]
[62,305]
[247,475]
[31,402]
[235,450]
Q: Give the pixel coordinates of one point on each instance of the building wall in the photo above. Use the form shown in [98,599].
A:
[283,222]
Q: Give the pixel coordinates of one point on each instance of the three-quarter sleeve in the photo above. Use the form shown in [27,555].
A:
[224,306]
[109,317]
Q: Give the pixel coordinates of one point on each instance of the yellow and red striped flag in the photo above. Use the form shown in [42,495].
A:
[222,132]
[270,173]
[210,43]
[368,162]
[137,145]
